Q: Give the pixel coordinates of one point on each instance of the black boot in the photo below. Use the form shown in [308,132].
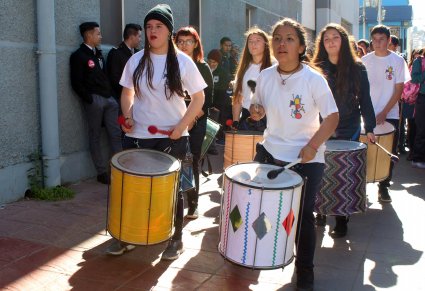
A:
[340,229]
[305,279]
[320,220]
[192,202]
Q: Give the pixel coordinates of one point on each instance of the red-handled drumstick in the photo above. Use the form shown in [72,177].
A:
[121,121]
[154,130]
[394,158]
[229,122]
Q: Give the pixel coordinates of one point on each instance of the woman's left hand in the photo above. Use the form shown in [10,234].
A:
[176,132]
[371,137]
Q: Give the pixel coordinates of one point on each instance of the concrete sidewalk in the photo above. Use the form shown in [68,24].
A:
[60,246]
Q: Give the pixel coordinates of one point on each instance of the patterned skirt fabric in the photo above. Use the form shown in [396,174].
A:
[343,190]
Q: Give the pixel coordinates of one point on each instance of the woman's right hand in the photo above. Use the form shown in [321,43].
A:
[127,127]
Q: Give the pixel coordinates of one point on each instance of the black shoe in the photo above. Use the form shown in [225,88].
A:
[341,228]
[104,178]
[192,213]
[320,220]
[383,195]
[173,250]
[305,279]
[118,248]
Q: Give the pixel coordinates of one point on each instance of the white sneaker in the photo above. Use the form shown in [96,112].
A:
[118,248]
[420,165]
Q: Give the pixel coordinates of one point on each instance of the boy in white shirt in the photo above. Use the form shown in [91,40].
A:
[387,73]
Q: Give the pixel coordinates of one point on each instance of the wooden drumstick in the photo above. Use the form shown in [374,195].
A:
[274,173]
[394,158]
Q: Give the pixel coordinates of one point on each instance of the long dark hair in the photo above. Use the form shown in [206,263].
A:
[173,80]
[247,59]
[348,62]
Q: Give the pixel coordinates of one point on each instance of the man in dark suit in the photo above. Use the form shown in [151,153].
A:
[118,57]
[90,81]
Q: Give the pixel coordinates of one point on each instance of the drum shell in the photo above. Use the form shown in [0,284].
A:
[279,207]
[141,206]
[343,190]
[210,133]
[378,162]
[240,146]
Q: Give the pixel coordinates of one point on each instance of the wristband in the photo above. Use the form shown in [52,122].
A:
[235,124]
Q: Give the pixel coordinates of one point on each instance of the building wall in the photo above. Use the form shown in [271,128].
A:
[19,102]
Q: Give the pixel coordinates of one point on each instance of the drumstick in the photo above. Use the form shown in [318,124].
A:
[394,158]
[154,130]
[274,173]
[121,121]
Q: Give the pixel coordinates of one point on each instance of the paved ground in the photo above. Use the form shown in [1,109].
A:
[59,246]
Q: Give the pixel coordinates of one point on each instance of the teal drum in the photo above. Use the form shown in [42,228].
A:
[212,130]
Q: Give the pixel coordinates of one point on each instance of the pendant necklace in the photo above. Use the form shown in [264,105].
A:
[279,71]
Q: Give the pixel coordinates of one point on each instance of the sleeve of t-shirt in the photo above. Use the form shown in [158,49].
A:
[192,79]
[323,97]
[127,75]
[403,75]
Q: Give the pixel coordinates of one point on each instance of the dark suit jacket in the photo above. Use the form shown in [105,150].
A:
[88,76]
[117,58]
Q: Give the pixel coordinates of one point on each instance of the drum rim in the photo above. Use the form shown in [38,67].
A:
[364,146]
[263,188]
[175,166]
[379,134]
[244,132]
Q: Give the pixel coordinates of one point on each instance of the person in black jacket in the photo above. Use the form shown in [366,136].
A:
[118,57]
[90,81]
[347,78]
[188,41]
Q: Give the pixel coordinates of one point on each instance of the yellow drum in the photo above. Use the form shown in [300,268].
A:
[240,146]
[378,162]
[142,196]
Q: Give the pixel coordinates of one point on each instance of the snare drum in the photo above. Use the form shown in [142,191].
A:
[240,146]
[343,190]
[142,196]
[212,130]
[259,216]
[378,162]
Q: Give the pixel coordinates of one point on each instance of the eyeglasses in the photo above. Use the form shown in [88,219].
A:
[186,42]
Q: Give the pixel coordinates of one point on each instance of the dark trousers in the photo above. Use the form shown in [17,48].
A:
[178,150]
[196,138]
[395,123]
[225,114]
[419,144]
[306,237]
[102,110]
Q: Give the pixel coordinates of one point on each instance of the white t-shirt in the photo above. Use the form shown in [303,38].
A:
[152,108]
[292,110]
[383,74]
[251,74]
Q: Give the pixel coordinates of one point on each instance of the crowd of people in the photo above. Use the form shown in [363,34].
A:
[170,84]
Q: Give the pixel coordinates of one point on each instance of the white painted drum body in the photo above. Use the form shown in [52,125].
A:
[259,216]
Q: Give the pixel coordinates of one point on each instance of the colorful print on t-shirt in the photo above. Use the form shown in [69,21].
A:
[389,73]
[297,107]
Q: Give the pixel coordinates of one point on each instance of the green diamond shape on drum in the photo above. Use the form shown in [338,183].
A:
[288,223]
[261,225]
[236,218]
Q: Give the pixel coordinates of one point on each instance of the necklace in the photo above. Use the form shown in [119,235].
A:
[279,71]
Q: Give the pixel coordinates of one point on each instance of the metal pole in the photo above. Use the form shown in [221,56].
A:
[48,91]
[379,12]
[364,19]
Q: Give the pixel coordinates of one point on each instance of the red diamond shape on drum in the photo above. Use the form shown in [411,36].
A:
[288,223]
[236,218]
[262,225]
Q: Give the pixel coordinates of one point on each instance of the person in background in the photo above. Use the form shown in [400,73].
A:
[154,82]
[188,41]
[418,77]
[90,81]
[347,78]
[364,45]
[256,56]
[228,63]
[295,131]
[118,57]
[387,72]
[394,43]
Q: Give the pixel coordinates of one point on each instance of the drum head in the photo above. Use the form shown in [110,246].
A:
[381,129]
[145,162]
[344,146]
[254,175]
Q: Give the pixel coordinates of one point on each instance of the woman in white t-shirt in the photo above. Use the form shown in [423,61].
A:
[256,57]
[154,81]
[292,95]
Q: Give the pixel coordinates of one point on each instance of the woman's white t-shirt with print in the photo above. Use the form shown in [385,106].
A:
[152,107]
[383,74]
[293,110]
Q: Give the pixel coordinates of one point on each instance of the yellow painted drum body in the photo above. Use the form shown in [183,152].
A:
[142,196]
[240,146]
[378,162]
